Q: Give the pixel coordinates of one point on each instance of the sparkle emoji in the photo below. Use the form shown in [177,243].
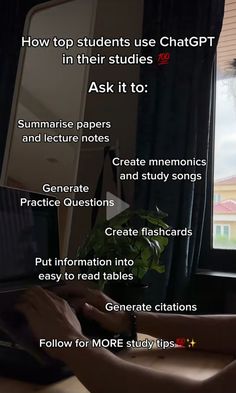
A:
[191,343]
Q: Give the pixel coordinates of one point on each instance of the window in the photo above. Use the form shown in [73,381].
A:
[219,240]
[226,231]
[217,198]
[221,232]
[224,204]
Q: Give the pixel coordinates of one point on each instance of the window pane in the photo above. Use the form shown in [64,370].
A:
[218,230]
[226,231]
[224,212]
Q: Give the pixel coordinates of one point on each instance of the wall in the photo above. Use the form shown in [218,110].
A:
[114,19]
[226,192]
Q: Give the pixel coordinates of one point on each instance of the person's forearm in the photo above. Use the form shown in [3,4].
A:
[223,381]
[94,367]
[102,372]
[211,332]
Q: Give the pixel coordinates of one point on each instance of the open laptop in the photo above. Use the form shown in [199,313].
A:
[25,233]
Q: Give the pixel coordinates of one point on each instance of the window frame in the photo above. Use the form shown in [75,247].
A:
[222,230]
[219,260]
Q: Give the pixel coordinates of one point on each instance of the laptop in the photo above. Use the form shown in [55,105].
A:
[25,234]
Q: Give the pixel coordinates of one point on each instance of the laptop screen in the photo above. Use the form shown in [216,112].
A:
[25,233]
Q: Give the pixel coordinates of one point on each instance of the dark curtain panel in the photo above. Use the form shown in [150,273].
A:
[174,122]
[12,20]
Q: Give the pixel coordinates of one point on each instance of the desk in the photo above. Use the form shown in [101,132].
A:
[197,365]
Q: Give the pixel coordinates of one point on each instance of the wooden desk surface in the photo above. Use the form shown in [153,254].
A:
[197,365]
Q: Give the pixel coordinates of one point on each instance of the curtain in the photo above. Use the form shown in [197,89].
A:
[174,123]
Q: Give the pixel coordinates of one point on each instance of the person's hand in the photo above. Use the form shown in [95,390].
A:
[49,316]
[91,302]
